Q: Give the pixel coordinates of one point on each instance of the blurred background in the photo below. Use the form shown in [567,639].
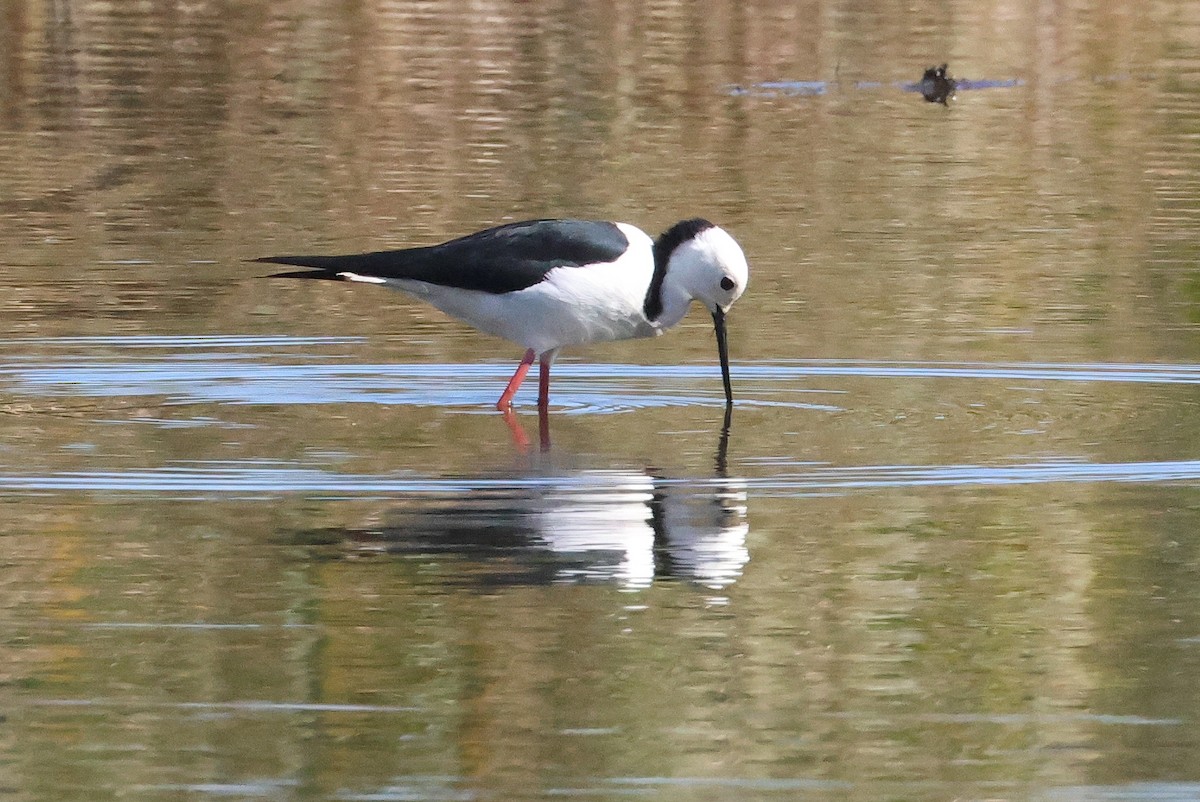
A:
[270,540]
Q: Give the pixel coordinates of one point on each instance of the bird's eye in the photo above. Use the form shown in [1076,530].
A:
[727,283]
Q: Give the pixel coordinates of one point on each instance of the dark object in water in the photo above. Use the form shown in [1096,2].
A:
[936,86]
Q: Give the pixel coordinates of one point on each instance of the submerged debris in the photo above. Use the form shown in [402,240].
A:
[936,86]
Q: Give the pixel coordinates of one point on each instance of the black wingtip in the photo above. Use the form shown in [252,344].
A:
[313,274]
[312,271]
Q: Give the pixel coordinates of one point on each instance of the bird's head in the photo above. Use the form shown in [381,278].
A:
[702,263]
[695,261]
[712,268]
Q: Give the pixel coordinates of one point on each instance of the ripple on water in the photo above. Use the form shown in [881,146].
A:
[628,527]
[183,341]
[265,477]
[262,379]
[229,370]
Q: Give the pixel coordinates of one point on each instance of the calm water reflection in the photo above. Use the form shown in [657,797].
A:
[266,541]
[614,526]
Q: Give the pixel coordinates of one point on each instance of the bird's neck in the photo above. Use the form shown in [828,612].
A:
[675,304]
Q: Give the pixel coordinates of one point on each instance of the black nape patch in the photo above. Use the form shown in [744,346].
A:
[664,246]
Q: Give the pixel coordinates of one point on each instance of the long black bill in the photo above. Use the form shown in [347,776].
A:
[723,353]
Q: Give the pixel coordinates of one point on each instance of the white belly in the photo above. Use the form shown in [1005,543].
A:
[568,308]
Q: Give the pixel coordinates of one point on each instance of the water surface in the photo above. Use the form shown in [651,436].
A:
[266,540]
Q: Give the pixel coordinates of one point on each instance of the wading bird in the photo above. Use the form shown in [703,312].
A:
[549,284]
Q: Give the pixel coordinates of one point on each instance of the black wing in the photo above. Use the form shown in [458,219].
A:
[503,259]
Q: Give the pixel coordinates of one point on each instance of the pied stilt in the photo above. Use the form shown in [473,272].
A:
[546,284]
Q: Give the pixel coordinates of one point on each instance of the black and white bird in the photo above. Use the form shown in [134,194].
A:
[547,284]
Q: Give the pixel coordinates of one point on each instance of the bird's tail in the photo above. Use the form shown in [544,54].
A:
[319,267]
[323,275]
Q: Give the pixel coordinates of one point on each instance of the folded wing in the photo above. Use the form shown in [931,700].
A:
[497,260]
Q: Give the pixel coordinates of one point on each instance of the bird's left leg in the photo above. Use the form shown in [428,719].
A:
[544,377]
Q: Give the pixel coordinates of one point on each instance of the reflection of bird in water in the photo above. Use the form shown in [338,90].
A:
[620,526]
[936,86]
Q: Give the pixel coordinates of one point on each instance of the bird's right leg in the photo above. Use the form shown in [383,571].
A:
[514,383]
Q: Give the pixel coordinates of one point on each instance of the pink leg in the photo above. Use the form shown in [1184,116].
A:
[544,379]
[514,383]
[544,399]
[543,427]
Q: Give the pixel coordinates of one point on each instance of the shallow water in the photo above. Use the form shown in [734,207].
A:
[271,540]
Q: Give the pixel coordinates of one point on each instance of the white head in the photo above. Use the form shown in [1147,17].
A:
[711,267]
[695,260]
